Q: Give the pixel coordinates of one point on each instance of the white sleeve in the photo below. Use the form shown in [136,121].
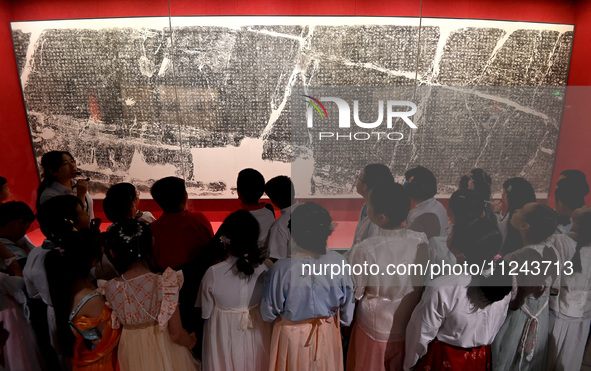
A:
[205,298]
[278,242]
[358,255]
[424,325]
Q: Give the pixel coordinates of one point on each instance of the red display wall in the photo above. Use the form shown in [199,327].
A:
[18,164]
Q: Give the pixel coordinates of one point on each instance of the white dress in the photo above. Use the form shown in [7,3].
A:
[235,336]
[570,310]
[386,301]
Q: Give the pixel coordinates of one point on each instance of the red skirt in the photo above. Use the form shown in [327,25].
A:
[441,356]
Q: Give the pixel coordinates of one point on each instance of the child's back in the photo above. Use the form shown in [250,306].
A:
[144,305]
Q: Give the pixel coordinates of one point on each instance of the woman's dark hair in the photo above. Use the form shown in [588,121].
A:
[421,183]
[481,180]
[2,181]
[583,239]
[519,193]
[129,241]
[310,227]
[64,270]
[467,205]
[50,162]
[119,201]
[58,217]
[239,234]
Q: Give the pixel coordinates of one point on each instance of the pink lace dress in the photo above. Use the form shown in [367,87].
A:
[144,305]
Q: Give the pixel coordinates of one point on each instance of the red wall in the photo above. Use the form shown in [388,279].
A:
[17,156]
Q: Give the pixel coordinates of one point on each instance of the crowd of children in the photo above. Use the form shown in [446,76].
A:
[169,294]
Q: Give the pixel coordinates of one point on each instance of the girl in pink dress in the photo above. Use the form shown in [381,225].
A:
[145,304]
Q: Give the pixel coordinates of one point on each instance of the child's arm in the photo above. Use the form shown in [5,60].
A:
[178,334]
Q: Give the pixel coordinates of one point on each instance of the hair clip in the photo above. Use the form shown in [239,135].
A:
[225,240]
[411,179]
[127,238]
[509,188]
[333,226]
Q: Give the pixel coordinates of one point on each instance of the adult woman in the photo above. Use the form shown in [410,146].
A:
[59,171]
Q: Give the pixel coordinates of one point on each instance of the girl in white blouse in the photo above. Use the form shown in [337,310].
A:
[235,337]
[458,316]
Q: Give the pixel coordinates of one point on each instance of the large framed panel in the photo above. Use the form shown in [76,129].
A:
[136,99]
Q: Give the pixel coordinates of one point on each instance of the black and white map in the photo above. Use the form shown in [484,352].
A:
[134,99]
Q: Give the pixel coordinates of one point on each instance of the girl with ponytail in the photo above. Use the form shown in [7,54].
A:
[570,310]
[235,337]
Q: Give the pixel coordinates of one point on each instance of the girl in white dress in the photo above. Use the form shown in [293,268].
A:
[570,310]
[235,337]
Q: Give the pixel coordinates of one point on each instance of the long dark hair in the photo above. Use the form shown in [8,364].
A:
[583,239]
[238,235]
[58,217]
[50,162]
[64,270]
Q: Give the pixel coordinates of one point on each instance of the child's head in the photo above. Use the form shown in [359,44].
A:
[239,234]
[479,181]
[280,191]
[250,186]
[535,222]
[310,227]
[4,191]
[479,241]
[570,194]
[120,202]
[371,175]
[15,219]
[517,192]
[465,206]
[60,216]
[420,183]
[128,242]
[578,178]
[582,227]
[388,205]
[170,194]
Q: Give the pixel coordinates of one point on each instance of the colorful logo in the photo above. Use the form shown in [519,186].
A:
[315,104]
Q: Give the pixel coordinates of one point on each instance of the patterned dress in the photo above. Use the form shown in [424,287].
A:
[144,305]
